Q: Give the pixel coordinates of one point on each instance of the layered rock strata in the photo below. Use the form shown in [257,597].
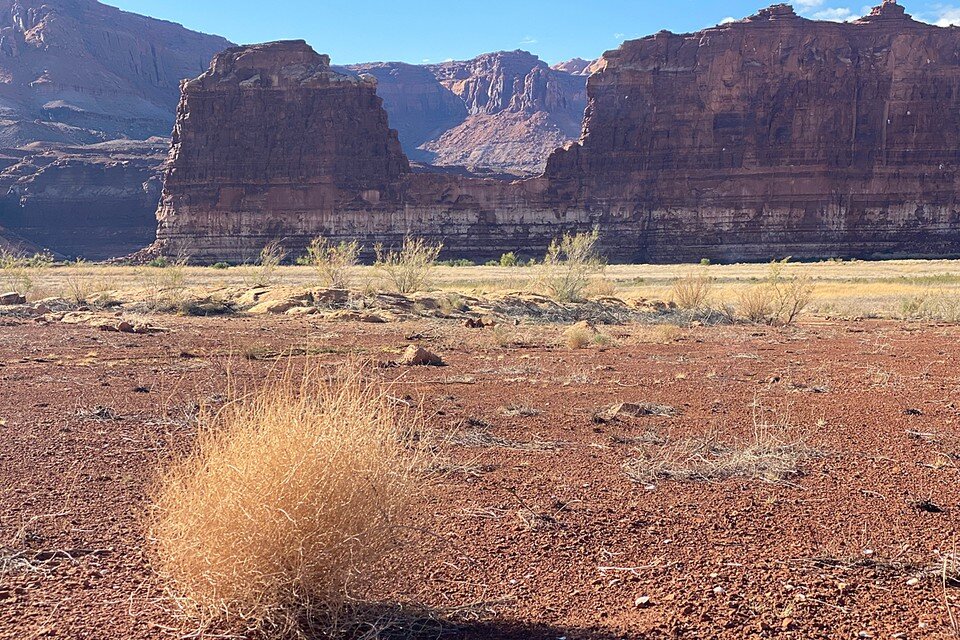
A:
[763,138]
[501,112]
[778,135]
[95,201]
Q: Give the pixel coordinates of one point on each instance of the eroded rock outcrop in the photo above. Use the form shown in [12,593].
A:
[79,72]
[80,81]
[763,138]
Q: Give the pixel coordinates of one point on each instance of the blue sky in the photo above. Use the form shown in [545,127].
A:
[435,30]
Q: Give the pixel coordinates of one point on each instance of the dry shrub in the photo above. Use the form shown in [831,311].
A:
[773,454]
[579,336]
[18,273]
[937,305]
[693,291]
[408,270]
[165,283]
[287,502]
[778,300]
[265,273]
[570,264]
[333,263]
[601,288]
[656,334]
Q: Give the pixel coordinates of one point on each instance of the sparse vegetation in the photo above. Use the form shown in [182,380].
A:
[333,263]
[19,273]
[265,272]
[290,497]
[509,260]
[570,264]
[579,336]
[407,270]
[165,284]
[778,300]
[693,291]
[773,454]
[932,304]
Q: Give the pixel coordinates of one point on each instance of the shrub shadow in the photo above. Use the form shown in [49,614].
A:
[402,623]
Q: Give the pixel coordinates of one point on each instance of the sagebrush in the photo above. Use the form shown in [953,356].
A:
[333,263]
[571,263]
[407,270]
[778,300]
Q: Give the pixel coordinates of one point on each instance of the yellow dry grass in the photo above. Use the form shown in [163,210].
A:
[290,497]
[851,288]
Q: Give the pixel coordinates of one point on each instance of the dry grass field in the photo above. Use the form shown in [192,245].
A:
[899,289]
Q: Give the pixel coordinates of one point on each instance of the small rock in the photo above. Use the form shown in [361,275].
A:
[302,311]
[416,356]
[642,601]
[912,582]
[719,590]
[11,298]
[634,410]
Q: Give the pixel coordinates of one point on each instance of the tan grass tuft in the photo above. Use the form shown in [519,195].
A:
[286,504]
[693,291]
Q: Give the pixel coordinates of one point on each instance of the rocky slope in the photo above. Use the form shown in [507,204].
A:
[502,112]
[77,75]
[96,201]
[764,138]
[77,71]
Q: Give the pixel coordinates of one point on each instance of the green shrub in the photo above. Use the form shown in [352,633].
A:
[509,260]
[407,270]
[333,263]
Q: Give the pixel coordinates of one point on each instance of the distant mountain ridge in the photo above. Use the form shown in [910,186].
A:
[78,71]
[499,112]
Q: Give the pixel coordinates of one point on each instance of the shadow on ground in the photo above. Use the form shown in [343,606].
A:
[393,623]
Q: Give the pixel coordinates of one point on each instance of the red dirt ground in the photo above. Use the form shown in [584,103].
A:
[829,554]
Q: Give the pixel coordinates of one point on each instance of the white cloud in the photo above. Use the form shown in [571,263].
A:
[805,5]
[835,14]
[529,40]
[947,16]
[619,36]
[728,20]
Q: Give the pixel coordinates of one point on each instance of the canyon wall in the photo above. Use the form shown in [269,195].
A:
[501,112]
[769,137]
[80,80]
[78,71]
[778,135]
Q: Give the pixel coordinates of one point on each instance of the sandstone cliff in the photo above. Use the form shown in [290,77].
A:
[778,135]
[764,138]
[503,112]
